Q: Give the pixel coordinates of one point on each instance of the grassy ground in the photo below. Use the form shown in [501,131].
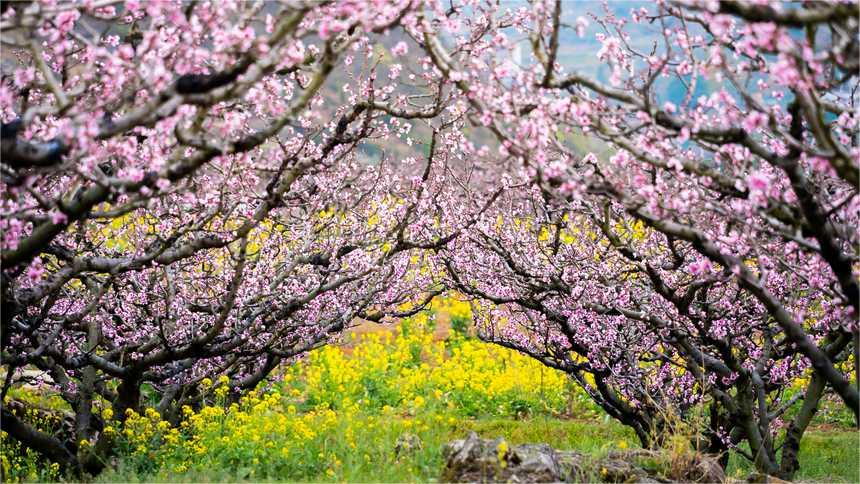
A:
[827,455]
[377,457]
[380,409]
[829,451]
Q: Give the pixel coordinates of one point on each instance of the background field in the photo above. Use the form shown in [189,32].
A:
[380,406]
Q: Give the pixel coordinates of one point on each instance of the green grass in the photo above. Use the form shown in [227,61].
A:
[830,454]
[339,415]
[588,436]
[377,440]
[826,455]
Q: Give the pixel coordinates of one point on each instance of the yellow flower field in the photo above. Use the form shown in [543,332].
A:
[379,406]
[342,408]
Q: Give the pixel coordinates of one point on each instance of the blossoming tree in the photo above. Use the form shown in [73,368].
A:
[730,138]
[192,190]
[596,294]
[187,194]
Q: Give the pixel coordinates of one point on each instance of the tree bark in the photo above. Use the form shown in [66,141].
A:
[789,461]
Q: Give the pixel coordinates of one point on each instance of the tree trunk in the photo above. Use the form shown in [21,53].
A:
[128,397]
[789,460]
[719,423]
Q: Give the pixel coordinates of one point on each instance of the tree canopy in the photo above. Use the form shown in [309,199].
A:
[204,189]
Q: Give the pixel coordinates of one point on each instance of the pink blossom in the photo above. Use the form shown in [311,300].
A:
[700,267]
[821,165]
[400,49]
[764,34]
[24,76]
[581,25]
[720,24]
[621,159]
[754,120]
[13,230]
[610,50]
[684,135]
[638,15]
[133,174]
[126,52]
[784,71]
[35,271]
[758,181]
[58,217]
[329,28]
[395,71]
[133,6]
[296,52]
[65,20]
